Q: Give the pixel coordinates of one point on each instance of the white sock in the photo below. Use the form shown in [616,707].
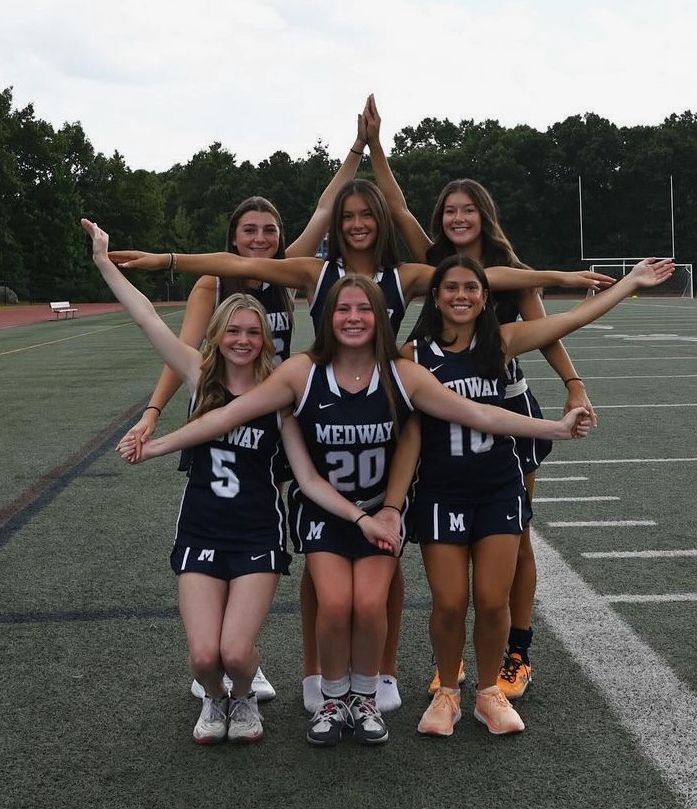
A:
[312,692]
[387,696]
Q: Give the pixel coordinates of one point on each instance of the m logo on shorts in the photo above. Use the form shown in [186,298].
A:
[206,555]
[315,531]
[457,522]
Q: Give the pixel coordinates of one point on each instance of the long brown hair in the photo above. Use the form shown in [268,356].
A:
[496,248]
[210,390]
[230,285]
[385,250]
[325,345]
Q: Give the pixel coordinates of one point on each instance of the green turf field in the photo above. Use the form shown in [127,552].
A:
[94,698]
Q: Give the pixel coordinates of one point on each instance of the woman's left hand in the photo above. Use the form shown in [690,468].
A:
[652,271]
[100,239]
[577,396]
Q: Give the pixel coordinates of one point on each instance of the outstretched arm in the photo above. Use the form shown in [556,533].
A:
[413,234]
[200,306]
[501,278]
[274,393]
[526,336]
[531,307]
[314,486]
[300,273]
[185,360]
[307,243]
[429,396]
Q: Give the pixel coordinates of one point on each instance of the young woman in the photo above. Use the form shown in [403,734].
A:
[255,230]
[470,503]
[230,547]
[465,222]
[351,394]
[362,240]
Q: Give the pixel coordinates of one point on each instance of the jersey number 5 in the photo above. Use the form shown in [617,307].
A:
[227,483]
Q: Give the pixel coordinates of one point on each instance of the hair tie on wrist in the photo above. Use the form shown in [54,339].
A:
[153,407]
[355,151]
[355,522]
[387,505]
[573,379]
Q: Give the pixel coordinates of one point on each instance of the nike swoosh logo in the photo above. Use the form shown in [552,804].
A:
[435,368]
[511,516]
[323,406]
[261,556]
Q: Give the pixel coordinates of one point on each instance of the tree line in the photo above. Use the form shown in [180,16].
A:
[49,178]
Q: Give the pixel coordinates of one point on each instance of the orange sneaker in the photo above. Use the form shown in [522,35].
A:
[514,676]
[442,714]
[496,712]
[435,682]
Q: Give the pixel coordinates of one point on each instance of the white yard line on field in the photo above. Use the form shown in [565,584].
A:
[658,710]
[674,554]
[599,523]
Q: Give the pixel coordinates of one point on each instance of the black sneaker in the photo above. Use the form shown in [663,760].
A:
[328,723]
[368,724]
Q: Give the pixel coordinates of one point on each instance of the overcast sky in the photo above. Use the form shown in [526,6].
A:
[160,80]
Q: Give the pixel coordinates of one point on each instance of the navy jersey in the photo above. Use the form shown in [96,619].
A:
[457,462]
[351,436]
[232,500]
[273,299]
[386,279]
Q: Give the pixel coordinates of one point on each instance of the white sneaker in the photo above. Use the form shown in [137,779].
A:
[387,696]
[211,726]
[262,687]
[313,699]
[244,725]
[198,691]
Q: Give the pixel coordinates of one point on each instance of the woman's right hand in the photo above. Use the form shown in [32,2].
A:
[377,533]
[372,120]
[132,450]
[139,260]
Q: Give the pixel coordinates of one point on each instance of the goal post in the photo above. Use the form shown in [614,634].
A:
[679,285]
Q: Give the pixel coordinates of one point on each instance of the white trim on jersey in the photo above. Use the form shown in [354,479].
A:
[306,392]
[318,286]
[398,380]
[374,381]
[331,379]
[186,556]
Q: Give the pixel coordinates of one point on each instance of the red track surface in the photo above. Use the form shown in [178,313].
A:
[38,313]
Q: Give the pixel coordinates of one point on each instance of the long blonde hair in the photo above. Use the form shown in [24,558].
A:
[211,390]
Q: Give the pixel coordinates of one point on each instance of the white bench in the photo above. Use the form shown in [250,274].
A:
[63,308]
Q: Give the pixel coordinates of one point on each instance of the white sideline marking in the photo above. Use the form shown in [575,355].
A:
[650,599]
[600,523]
[597,326]
[639,554]
[75,336]
[629,406]
[659,710]
[550,480]
[646,338]
[617,359]
[624,460]
[637,376]
[573,499]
